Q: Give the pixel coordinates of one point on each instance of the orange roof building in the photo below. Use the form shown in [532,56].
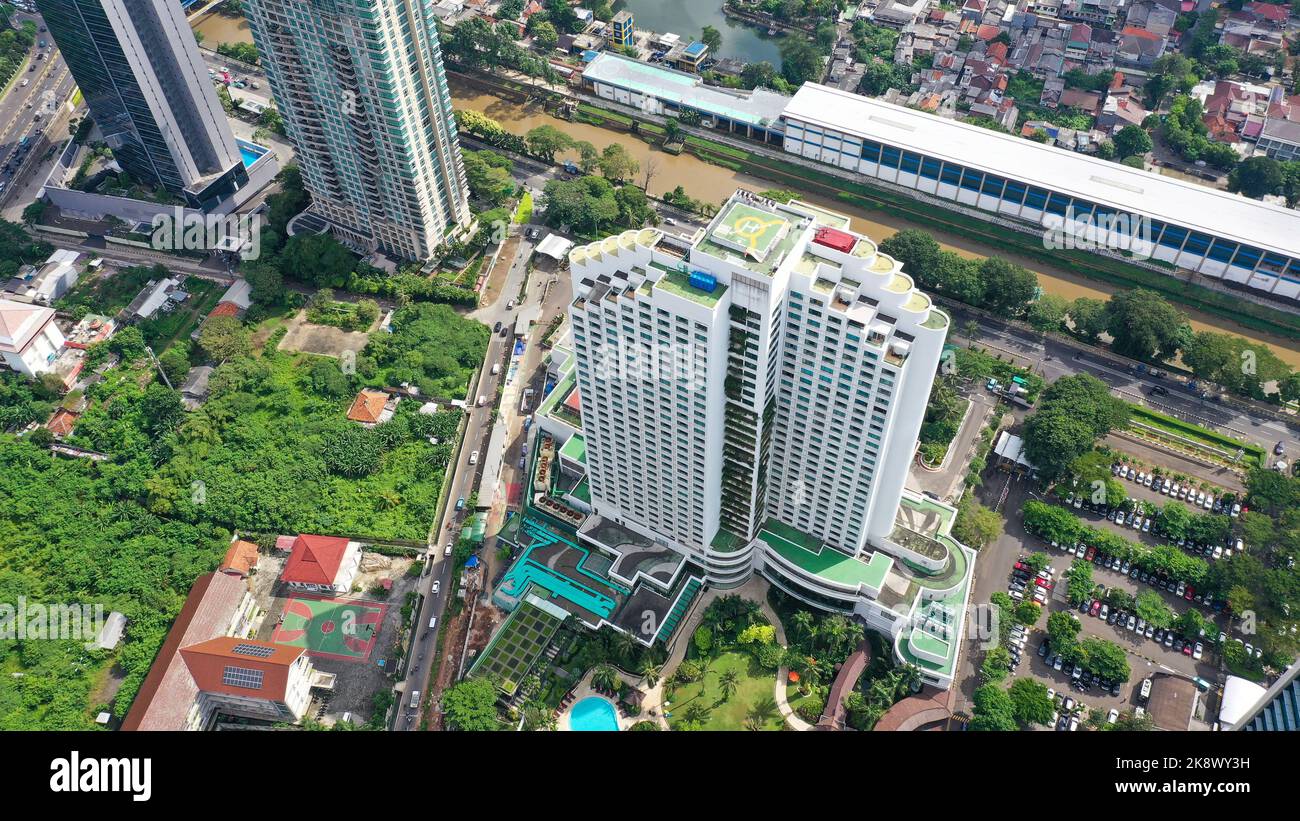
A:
[255,679]
[62,422]
[370,408]
[240,560]
[322,564]
[218,605]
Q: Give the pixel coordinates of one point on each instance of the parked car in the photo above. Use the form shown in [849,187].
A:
[1132,622]
[1197,651]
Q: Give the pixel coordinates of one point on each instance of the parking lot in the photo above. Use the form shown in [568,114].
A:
[1145,655]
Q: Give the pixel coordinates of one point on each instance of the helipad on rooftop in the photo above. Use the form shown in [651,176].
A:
[757,236]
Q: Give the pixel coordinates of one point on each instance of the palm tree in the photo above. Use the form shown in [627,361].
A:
[697,714]
[762,712]
[909,681]
[650,672]
[727,684]
[604,677]
[624,645]
[802,622]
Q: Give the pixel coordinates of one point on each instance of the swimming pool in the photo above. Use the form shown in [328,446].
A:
[593,713]
[250,152]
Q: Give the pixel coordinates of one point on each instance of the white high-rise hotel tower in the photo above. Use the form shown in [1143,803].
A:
[753,399]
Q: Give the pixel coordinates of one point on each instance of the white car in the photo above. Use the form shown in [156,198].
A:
[436,585]
[1112,716]
[1236,510]
[1197,651]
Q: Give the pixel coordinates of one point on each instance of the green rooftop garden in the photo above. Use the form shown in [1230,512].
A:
[811,556]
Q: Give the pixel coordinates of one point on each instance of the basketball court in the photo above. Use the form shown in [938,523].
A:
[333,628]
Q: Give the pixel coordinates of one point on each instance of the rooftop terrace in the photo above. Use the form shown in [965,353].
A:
[678,283]
[813,557]
[750,234]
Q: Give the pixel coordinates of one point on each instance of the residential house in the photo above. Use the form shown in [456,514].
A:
[371,408]
[1279,139]
[321,564]
[47,283]
[1139,48]
[194,390]
[241,559]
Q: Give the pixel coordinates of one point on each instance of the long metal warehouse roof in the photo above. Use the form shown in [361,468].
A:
[1219,213]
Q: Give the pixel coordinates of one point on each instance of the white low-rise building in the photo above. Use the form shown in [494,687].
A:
[30,341]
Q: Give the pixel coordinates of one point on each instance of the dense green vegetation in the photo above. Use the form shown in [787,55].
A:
[271,451]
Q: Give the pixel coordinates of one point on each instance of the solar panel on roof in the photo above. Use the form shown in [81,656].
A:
[260,651]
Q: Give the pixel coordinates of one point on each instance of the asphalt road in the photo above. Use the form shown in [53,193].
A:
[32,112]
[463,480]
[1054,359]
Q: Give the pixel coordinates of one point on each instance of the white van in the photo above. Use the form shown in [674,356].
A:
[482,400]
[496,368]
[447,553]
[433,622]
[473,458]
[415,699]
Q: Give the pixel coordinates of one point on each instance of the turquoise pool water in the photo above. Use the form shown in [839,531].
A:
[593,713]
[249,154]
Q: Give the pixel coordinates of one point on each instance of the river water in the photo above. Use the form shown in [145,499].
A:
[689,17]
[714,183]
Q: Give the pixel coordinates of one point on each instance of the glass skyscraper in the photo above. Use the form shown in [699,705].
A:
[365,101]
[139,69]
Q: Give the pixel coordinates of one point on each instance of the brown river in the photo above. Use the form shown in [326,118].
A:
[714,183]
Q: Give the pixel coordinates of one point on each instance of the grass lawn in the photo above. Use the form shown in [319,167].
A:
[755,685]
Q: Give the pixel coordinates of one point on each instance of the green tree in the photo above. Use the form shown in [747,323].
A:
[470,706]
[801,62]
[1047,313]
[616,164]
[1030,703]
[1145,326]
[1132,140]
[1256,176]
[224,338]
[712,38]
[545,35]
[1008,287]
[1088,318]
[976,526]
[128,344]
[993,710]
[1151,607]
[545,141]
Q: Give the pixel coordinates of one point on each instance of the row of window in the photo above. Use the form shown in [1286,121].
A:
[1022,194]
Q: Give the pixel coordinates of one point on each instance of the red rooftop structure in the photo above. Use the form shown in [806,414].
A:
[322,564]
[834,238]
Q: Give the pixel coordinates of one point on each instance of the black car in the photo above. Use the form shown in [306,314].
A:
[1159,390]
[496,329]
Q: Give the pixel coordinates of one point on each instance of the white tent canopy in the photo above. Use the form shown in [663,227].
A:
[554,246]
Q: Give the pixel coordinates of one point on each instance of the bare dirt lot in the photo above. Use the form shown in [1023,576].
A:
[322,340]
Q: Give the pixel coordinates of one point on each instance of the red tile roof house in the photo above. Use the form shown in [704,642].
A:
[371,408]
[253,679]
[218,605]
[322,564]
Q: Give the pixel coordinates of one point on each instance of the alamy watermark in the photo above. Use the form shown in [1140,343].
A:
[26,621]
[663,363]
[182,230]
[1130,233]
